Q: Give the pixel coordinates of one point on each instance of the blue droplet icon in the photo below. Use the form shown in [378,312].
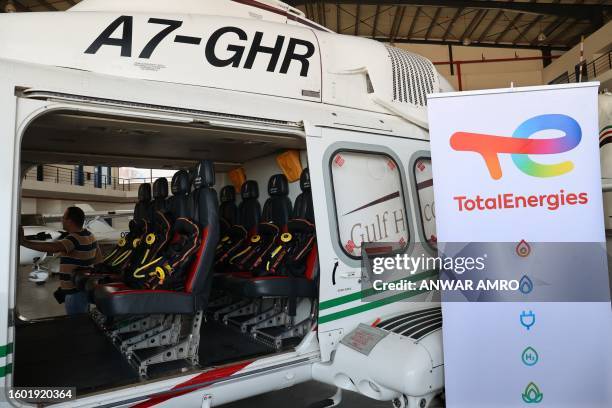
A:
[525,285]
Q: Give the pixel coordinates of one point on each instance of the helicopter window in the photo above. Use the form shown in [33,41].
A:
[425,194]
[369,200]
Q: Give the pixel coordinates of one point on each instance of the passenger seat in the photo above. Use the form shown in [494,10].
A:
[274,219]
[180,204]
[277,208]
[160,195]
[142,209]
[303,207]
[119,299]
[228,211]
[249,210]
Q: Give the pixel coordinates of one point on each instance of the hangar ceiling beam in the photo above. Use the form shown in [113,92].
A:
[357,17]
[526,30]
[433,41]
[490,25]
[413,23]
[323,12]
[434,20]
[47,5]
[375,25]
[552,27]
[449,27]
[511,25]
[568,28]
[577,11]
[469,30]
[19,6]
[398,19]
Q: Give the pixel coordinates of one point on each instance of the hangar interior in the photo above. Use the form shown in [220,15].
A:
[475,45]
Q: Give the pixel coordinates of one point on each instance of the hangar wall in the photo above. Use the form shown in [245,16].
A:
[594,45]
[487,74]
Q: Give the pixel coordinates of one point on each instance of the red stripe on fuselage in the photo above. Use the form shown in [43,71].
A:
[192,384]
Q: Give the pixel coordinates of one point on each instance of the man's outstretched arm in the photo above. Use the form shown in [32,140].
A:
[40,246]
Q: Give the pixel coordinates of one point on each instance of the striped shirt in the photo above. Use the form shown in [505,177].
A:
[80,250]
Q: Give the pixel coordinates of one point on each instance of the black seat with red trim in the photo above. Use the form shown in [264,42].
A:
[231,242]
[246,260]
[180,203]
[249,210]
[289,268]
[228,210]
[303,207]
[142,209]
[277,208]
[138,227]
[117,260]
[168,270]
[275,215]
[147,249]
[195,262]
[237,237]
[160,194]
[206,215]
[121,254]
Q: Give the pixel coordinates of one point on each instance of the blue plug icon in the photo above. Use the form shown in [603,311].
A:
[527,319]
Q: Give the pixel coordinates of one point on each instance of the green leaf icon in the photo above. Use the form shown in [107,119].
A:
[532,394]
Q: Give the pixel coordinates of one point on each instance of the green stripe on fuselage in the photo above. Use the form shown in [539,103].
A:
[371,291]
[372,304]
[6,350]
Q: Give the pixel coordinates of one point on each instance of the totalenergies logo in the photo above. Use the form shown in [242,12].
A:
[520,146]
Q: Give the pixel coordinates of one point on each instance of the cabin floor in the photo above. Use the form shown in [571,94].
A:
[55,350]
[71,351]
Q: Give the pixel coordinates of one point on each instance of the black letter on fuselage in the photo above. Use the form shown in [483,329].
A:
[256,48]
[234,61]
[303,58]
[125,42]
[150,47]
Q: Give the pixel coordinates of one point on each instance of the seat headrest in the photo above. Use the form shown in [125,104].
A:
[144,192]
[278,185]
[249,189]
[180,183]
[204,174]
[305,180]
[228,194]
[160,188]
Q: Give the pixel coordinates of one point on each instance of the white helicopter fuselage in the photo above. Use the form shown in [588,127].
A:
[242,65]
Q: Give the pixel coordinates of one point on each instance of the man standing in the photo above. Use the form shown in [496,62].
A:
[79,249]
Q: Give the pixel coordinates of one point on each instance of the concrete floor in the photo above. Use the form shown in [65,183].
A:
[37,301]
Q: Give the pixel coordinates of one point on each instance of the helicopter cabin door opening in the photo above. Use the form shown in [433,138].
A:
[231,302]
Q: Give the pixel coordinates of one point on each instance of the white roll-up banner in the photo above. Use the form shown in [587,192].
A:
[517,181]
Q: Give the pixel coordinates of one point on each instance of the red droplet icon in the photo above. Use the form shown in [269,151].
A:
[523,249]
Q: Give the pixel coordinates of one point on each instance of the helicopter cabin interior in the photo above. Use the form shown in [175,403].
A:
[229,291]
